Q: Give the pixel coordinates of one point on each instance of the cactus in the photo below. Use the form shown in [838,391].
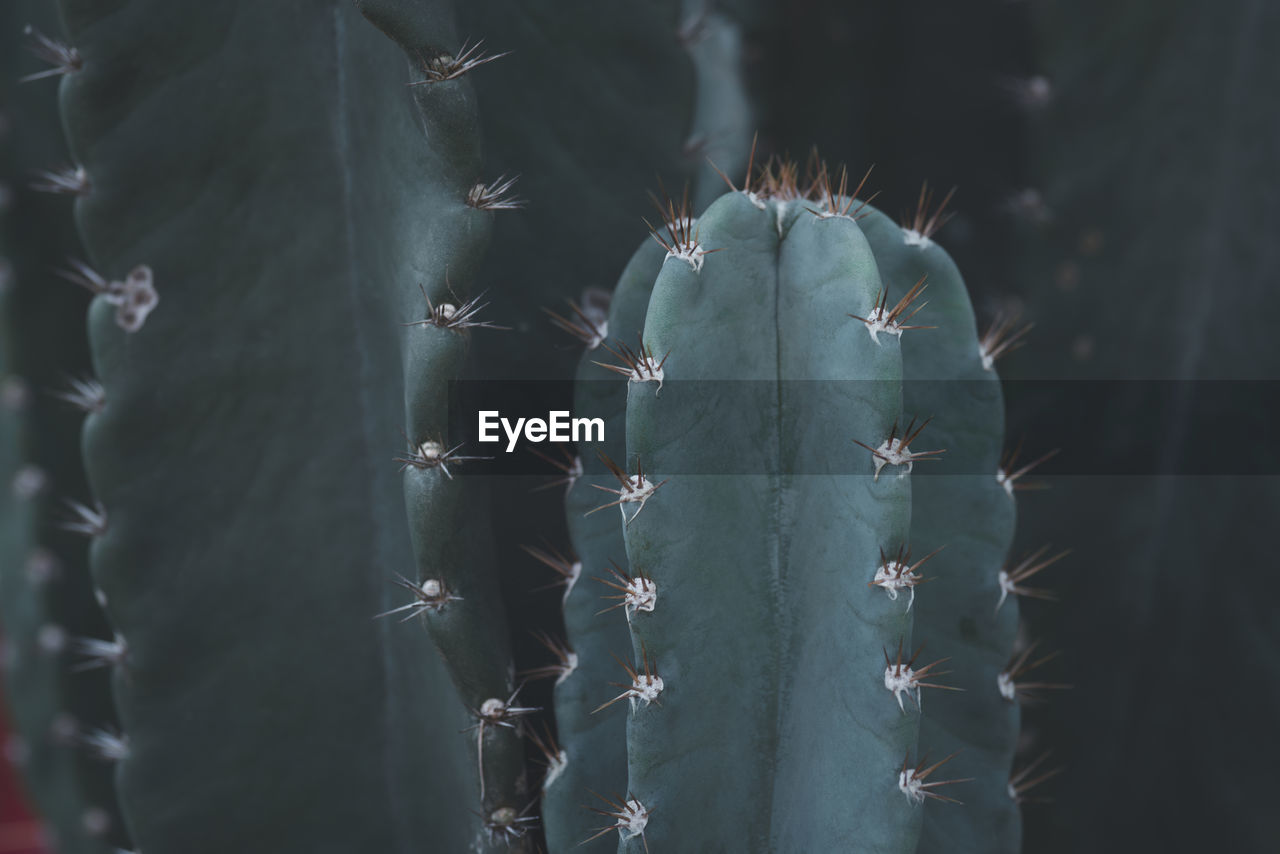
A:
[769,309]
[763,412]
[244,566]
[55,635]
[455,588]
[275,326]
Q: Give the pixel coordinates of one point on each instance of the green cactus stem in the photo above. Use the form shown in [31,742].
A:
[963,508]
[252,537]
[767,637]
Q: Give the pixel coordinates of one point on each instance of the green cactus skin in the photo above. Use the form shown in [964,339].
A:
[253,536]
[47,603]
[447,512]
[595,745]
[781,738]
[972,516]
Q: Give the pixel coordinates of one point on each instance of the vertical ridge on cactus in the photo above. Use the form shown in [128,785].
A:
[751,336]
[447,513]
[46,596]
[595,744]
[287,263]
[963,507]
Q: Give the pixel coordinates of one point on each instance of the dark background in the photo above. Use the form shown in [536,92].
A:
[1147,251]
